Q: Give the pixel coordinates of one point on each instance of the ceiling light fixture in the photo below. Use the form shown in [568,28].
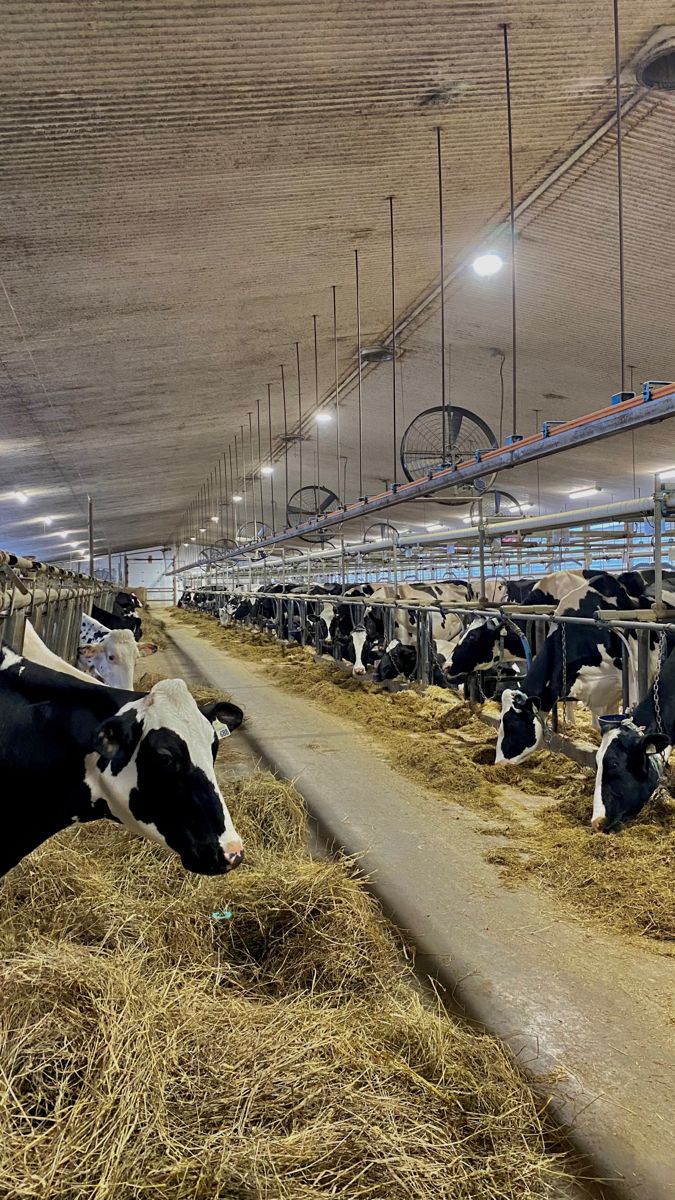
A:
[203,529]
[20,496]
[518,508]
[667,474]
[267,470]
[237,499]
[186,545]
[214,518]
[322,417]
[581,493]
[487,264]
[48,520]
[434,527]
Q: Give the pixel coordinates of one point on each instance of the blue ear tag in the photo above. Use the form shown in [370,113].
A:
[225,915]
[222,731]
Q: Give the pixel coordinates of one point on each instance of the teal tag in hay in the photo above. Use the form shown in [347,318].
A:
[225,915]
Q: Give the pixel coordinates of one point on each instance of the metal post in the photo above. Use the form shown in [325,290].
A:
[658,550]
[90,526]
[481,549]
[175,595]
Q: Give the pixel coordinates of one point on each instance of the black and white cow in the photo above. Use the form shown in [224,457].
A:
[593,658]
[74,751]
[112,621]
[479,647]
[444,627]
[632,757]
[110,654]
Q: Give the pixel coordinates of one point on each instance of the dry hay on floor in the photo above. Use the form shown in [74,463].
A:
[154,629]
[623,880]
[149,1048]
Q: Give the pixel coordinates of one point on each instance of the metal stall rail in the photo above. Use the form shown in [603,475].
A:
[289,622]
[51,598]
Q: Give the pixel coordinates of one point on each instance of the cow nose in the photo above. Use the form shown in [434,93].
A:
[359,670]
[233,855]
[598,824]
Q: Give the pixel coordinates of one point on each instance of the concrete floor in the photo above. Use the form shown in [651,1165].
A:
[588,1014]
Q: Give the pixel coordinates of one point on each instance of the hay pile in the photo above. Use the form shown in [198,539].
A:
[151,1049]
[624,880]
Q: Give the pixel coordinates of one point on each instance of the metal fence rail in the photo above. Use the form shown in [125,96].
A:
[635,660]
[51,598]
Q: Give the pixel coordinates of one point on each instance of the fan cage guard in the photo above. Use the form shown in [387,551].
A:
[308,503]
[466,433]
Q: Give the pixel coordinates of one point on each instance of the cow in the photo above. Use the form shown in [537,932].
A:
[443,627]
[110,654]
[587,658]
[73,751]
[640,585]
[505,591]
[486,641]
[632,757]
[112,621]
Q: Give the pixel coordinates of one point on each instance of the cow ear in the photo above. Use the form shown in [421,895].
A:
[118,737]
[220,710]
[90,652]
[147,648]
[655,743]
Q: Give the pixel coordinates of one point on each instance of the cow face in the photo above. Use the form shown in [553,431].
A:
[396,660]
[112,660]
[630,766]
[521,729]
[152,764]
[477,649]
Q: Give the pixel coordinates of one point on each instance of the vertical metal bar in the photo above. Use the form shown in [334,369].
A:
[658,550]
[297,367]
[316,406]
[262,504]
[393,344]
[338,489]
[233,486]
[512,221]
[441,238]
[269,427]
[110,574]
[625,671]
[243,468]
[359,368]
[220,500]
[619,180]
[250,447]
[173,581]
[283,398]
[481,549]
[90,530]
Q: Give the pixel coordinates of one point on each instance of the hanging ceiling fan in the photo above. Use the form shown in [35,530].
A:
[308,503]
[457,431]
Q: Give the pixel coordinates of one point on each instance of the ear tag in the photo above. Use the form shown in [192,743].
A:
[222,731]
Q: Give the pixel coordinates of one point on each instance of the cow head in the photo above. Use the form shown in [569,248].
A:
[112,660]
[630,766]
[521,729]
[396,660]
[152,764]
[477,649]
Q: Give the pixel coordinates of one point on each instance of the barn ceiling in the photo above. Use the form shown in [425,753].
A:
[182,183]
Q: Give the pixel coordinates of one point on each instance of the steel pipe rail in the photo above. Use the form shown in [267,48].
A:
[52,598]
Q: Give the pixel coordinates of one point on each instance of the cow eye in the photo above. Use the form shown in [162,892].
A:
[111,657]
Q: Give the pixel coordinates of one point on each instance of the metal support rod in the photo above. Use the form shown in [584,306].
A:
[90,530]
[269,430]
[233,489]
[512,224]
[243,468]
[359,368]
[481,549]
[316,406]
[297,367]
[250,448]
[338,489]
[283,398]
[619,181]
[658,550]
[441,240]
[394,434]
[262,503]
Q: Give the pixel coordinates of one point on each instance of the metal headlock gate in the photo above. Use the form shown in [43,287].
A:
[290,618]
[51,598]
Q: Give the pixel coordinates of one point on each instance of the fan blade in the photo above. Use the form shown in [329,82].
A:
[456,420]
[326,502]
